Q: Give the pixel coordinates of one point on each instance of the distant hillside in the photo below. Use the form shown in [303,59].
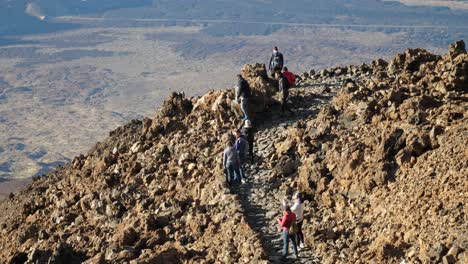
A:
[370,14]
[16,19]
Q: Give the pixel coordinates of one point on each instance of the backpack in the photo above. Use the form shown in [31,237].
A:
[285,83]
[244,148]
[276,58]
[246,91]
[293,228]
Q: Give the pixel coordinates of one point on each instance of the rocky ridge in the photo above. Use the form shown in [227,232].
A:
[149,193]
[382,163]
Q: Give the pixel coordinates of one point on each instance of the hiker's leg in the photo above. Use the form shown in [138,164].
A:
[242,170]
[244,109]
[226,173]
[278,68]
[285,242]
[237,174]
[286,106]
[283,105]
[251,150]
[233,173]
[230,173]
[293,241]
[300,236]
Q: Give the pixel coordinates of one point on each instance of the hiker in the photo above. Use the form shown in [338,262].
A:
[231,163]
[298,209]
[288,218]
[243,93]
[290,76]
[276,61]
[283,85]
[242,147]
[263,72]
[248,131]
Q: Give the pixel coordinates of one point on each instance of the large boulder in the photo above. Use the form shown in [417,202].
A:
[263,89]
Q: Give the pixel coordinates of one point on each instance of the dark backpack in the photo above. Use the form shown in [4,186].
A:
[285,83]
[245,92]
[277,59]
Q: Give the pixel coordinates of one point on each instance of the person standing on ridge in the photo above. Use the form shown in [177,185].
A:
[298,209]
[290,76]
[231,163]
[288,218]
[248,131]
[243,93]
[283,85]
[242,147]
[276,61]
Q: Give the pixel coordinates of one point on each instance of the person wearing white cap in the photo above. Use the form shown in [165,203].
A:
[298,209]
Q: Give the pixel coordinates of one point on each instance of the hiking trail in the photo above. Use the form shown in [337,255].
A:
[261,196]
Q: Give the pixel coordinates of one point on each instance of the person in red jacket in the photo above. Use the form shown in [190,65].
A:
[290,76]
[285,223]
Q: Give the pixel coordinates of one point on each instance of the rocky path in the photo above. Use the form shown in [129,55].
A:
[261,196]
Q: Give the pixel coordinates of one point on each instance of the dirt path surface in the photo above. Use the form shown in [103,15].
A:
[261,195]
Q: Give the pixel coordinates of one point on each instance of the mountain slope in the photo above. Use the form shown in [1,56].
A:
[150,192]
[383,167]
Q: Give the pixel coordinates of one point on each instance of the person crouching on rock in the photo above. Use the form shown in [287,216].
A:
[242,147]
[231,163]
[298,209]
[243,94]
[284,86]
[290,76]
[288,218]
[248,131]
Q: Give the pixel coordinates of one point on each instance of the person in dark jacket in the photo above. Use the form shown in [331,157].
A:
[276,61]
[283,85]
[243,94]
[248,131]
[242,147]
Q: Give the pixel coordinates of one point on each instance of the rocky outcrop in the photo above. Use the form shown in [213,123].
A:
[152,192]
[263,89]
[386,162]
